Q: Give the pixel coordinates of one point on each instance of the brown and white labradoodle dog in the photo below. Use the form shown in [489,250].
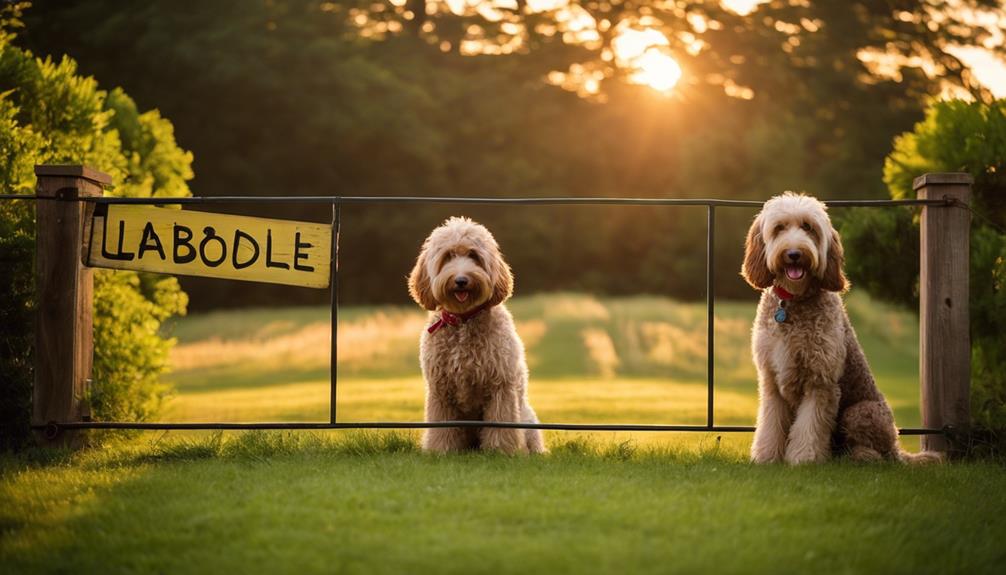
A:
[817,396]
[471,356]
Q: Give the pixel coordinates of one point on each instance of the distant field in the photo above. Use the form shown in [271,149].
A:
[638,359]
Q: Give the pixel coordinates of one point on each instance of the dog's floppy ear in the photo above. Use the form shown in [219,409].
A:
[419,283]
[755,268]
[834,277]
[502,282]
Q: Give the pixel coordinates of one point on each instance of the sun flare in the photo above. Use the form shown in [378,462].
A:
[657,70]
[645,52]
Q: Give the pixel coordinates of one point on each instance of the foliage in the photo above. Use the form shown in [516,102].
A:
[130,353]
[49,113]
[956,136]
[778,41]
[355,98]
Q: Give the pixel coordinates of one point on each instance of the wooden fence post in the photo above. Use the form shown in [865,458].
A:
[64,287]
[945,340]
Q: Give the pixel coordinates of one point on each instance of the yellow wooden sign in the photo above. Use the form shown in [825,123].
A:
[179,242]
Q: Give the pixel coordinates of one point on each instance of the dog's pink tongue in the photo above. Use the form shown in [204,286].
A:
[794,272]
[461,296]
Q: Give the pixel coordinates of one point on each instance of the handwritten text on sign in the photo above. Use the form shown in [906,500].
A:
[181,242]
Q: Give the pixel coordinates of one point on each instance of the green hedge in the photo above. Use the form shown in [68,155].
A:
[882,245]
[49,114]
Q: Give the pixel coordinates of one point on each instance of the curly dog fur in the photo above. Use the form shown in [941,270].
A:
[817,397]
[471,356]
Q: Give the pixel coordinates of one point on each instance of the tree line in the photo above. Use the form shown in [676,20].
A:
[304,97]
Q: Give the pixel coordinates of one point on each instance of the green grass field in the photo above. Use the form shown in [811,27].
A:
[623,360]
[356,502]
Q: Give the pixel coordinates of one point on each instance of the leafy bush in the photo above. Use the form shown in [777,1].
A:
[51,115]
[956,136]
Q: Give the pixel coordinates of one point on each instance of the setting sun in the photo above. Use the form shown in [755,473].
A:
[644,52]
[657,70]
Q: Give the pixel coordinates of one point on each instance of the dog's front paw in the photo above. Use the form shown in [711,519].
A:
[801,454]
[767,448]
[509,441]
[444,440]
[765,456]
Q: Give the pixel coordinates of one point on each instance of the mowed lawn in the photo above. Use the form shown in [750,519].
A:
[368,502]
[357,503]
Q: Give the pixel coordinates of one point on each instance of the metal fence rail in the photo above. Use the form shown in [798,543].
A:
[583,201]
[336,202]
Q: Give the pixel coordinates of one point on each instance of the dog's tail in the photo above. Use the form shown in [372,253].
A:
[920,458]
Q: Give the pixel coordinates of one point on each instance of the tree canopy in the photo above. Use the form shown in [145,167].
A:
[525,98]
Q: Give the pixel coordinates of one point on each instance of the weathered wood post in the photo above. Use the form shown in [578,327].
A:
[945,340]
[64,286]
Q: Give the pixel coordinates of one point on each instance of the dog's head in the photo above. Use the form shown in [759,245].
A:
[793,244]
[460,268]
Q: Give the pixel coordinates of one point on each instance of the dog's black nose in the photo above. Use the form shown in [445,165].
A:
[793,255]
[461,281]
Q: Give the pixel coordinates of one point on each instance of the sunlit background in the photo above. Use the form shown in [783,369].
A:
[644,51]
[523,98]
[434,99]
[734,99]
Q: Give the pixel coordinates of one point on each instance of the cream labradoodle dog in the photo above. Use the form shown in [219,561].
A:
[472,358]
[816,393]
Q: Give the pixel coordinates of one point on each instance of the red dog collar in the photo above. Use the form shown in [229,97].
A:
[782,293]
[453,319]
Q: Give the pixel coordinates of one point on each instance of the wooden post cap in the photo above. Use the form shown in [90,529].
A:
[78,171]
[942,179]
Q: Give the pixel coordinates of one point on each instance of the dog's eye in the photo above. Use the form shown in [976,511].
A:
[475,256]
[779,228]
[806,227]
